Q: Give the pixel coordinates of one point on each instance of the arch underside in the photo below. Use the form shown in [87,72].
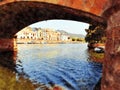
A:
[17,15]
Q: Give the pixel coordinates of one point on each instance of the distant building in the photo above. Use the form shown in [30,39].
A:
[64,37]
[40,34]
[49,34]
[27,33]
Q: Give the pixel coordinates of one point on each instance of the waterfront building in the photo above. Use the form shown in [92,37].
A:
[64,37]
[27,33]
[51,35]
[39,35]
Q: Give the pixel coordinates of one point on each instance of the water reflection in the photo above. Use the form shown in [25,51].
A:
[66,65]
[10,79]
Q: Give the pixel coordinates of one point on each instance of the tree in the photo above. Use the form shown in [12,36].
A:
[73,39]
[95,34]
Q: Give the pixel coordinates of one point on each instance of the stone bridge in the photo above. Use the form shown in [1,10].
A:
[17,14]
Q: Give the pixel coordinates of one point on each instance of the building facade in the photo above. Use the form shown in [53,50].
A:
[39,35]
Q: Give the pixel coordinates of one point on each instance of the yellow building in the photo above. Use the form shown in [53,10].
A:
[51,35]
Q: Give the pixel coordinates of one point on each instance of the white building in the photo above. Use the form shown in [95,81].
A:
[27,33]
[64,37]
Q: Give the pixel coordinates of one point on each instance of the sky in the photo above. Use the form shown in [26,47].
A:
[66,25]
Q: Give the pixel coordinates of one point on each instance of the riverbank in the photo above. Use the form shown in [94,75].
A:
[96,57]
[22,41]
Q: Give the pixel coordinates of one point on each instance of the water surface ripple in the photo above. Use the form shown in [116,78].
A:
[66,65]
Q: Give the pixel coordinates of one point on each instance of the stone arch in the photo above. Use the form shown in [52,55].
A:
[14,16]
[17,15]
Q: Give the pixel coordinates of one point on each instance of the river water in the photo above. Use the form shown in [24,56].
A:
[66,65]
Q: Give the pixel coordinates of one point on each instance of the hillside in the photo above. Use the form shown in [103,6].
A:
[71,34]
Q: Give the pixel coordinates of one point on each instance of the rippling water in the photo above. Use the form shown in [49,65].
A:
[67,65]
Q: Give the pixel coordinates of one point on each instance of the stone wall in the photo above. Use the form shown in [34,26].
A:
[7,44]
[111,69]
